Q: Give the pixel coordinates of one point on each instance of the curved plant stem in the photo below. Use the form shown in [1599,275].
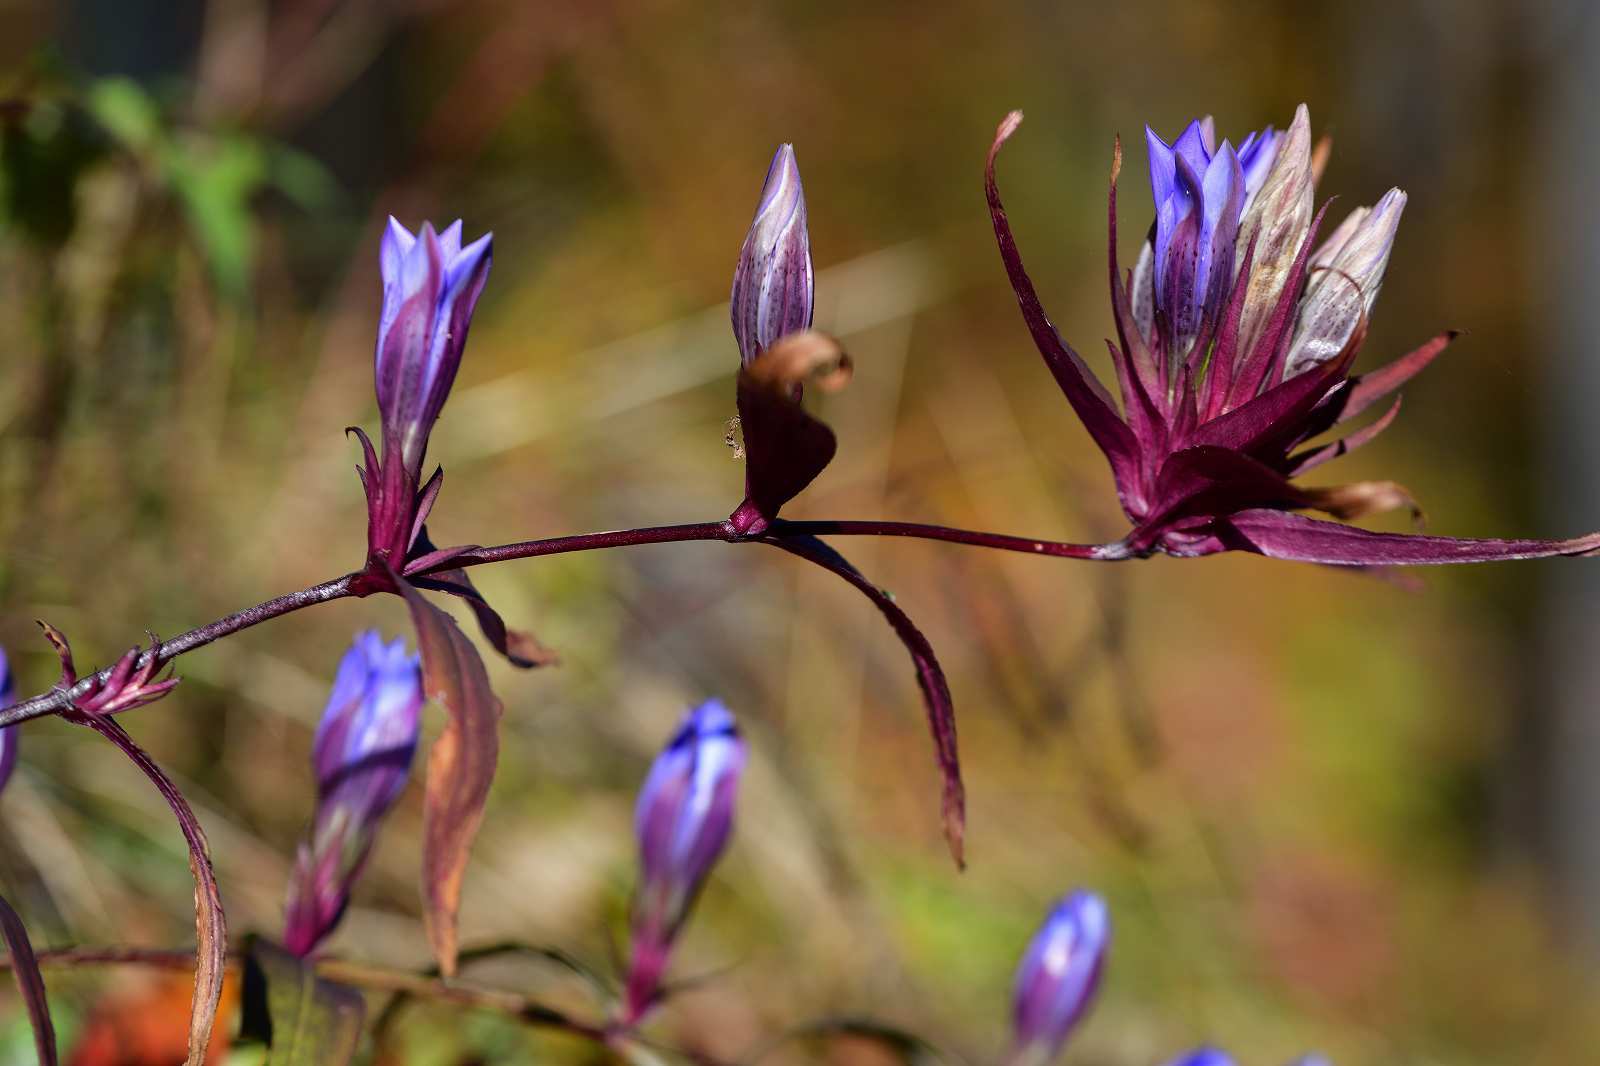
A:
[58,699]
[1000,541]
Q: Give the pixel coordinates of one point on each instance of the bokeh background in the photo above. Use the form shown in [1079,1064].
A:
[1328,812]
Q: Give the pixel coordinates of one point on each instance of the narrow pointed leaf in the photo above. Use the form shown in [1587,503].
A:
[461,765]
[930,678]
[1083,390]
[1369,388]
[1312,458]
[211,933]
[30,983]
[1289,536]
[308,1021]
[520,648]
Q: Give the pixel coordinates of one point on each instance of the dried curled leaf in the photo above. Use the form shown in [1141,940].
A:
[30,983]
[785,447]
[808,358]
[211,933]
[461,765]
[1361,498]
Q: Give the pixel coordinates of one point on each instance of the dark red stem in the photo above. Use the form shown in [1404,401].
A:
[59,699]
[1001,541]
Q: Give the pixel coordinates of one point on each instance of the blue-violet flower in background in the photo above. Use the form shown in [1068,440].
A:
[362,758]
[683,818]
[1058,977]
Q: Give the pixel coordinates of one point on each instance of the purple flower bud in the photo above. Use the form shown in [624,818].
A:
[1277,220]
[1199,195]
[1058,977]
[1205,1056]
[8,735]
[1346,274]
[362,758]
[683,819]
[430,286]
[773,289]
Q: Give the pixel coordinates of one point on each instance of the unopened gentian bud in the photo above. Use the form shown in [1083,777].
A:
[8,735]
[1205,1056]
[430,286]
[773,286]
[1276,219]
[1199,192]
[1058,977]
[683,818]
[1346,274]
[362,758]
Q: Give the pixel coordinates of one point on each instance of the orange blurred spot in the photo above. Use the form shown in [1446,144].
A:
[147,1024]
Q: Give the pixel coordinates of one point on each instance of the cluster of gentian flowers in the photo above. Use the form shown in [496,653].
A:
[1236,332]
[683,820]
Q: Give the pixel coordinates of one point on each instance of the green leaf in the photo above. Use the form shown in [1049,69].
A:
[303,1019]
[215,179]
[126,111]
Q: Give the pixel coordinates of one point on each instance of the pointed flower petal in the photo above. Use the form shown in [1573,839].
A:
[1277,219]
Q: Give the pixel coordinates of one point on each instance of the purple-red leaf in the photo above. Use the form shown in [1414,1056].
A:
[1290,536]
[1208,480]
[785,447]
[30,983]
[211,933]
[1374,385]
[930,678]
[461,765]
[520,648]
[1083,390]
[1312,458]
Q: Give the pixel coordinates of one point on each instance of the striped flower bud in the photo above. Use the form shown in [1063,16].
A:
[683,819]
[773,286]
[362,759]
[1058,977]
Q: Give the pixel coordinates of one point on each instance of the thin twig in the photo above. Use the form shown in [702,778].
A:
[59,699]
[340,971]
